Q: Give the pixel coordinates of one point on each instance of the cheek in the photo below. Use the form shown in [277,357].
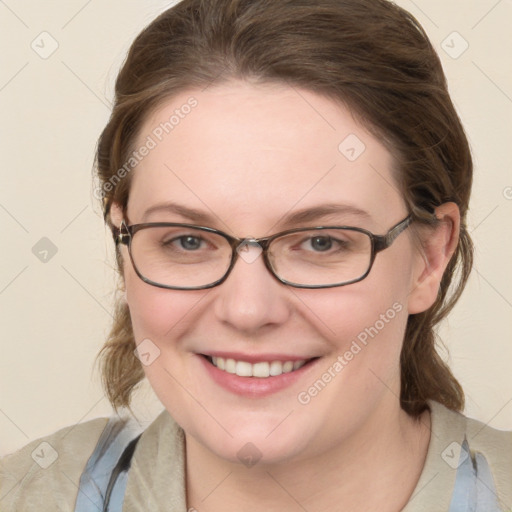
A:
[157,313]
[162,317]
[365,330]
[360,312]
[364,324]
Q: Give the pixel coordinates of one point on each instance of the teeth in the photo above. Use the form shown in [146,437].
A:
[229,365]
[261,370]
[297,365]
[243,369]
[276,368]
[287,367]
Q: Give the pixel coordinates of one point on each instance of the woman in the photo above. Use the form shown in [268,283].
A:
[287,185]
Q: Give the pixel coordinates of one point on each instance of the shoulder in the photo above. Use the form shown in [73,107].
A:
[495,444]
[489,449]
[47,470]
[468,465]
[494,448]
[157,475]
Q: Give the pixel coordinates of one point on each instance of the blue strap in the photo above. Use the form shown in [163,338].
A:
[474,489]
[94,481]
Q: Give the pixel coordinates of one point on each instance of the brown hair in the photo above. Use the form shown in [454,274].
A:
[370,55]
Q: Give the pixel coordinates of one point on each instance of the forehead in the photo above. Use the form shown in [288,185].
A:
[252,153]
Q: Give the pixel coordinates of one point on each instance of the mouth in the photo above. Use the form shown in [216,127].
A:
[260,370]
[257,378]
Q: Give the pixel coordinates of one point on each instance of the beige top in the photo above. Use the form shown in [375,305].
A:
[156,479]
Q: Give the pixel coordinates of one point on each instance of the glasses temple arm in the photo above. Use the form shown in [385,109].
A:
[384,241]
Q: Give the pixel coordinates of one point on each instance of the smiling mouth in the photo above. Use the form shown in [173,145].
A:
[261,370]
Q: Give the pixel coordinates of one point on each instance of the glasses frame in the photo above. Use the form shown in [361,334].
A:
[125,233]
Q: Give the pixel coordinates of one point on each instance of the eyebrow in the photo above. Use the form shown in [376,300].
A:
[322,212]
[294,218]
[192,214]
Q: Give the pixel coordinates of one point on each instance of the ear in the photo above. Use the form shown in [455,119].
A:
[116,214]
[436,249]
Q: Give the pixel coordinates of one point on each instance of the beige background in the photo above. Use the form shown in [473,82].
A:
[55,314]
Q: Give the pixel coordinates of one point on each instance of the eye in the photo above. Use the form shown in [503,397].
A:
[190,243]
[321,243]
[185,242]
[324,244]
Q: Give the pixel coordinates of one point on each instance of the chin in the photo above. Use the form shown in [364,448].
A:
[251,450]
[255,439]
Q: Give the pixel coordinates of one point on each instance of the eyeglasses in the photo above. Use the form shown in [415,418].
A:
[188,257]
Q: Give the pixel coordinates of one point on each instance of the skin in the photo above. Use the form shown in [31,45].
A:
[247,156]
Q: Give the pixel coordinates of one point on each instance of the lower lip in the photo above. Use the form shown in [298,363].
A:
[255,387]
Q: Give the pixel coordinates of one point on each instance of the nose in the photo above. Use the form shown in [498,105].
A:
[251,298]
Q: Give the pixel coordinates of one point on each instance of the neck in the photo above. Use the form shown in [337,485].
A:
[376,469]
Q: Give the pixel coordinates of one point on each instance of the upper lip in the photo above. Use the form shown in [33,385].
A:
[256,358]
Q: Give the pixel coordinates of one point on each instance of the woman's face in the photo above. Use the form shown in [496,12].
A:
[253,160]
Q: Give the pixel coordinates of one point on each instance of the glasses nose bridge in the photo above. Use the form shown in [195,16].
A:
[238,243]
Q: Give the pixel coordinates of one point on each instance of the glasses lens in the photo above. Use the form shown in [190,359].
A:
[321,257]
[179,256]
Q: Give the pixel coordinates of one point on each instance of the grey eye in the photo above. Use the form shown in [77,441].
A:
[190,243]
[321,243]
